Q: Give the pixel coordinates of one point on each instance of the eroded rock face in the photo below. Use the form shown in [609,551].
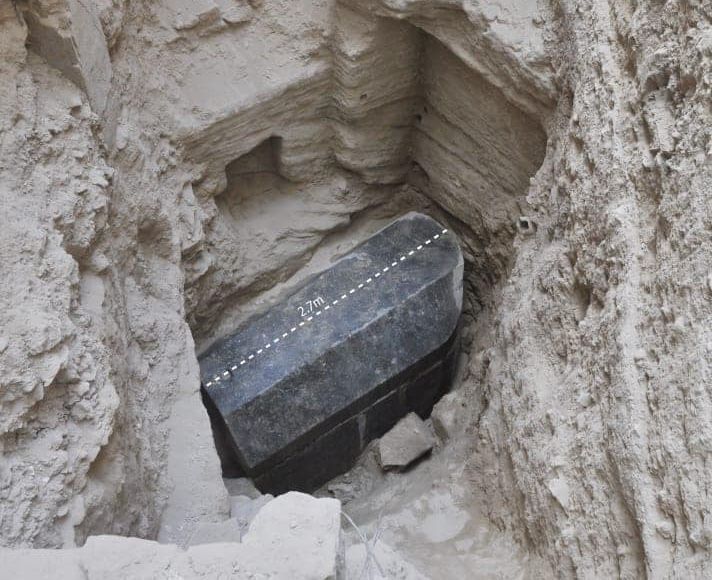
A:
[240,146]
[58,398]
[91,317]
[599,379]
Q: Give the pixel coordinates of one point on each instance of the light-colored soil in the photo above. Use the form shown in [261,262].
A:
[167,168]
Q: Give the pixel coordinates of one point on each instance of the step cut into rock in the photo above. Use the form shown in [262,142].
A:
[296,393]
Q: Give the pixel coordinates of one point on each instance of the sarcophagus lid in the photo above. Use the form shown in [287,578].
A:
[299,390]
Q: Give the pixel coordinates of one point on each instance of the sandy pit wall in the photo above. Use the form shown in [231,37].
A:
[99,378]
[596,436]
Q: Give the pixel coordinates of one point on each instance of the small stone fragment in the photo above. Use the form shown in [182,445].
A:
[559,488]
[585,399]
[406,442]
[238,14]
[310,549]
[446,416]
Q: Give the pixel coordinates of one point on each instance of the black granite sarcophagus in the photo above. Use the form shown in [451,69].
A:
[296,393]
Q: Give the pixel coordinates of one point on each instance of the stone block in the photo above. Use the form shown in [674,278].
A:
[448,416]
[294,536]
[297,392]
[409,440]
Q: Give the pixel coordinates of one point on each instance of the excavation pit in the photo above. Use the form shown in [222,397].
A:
[296,393]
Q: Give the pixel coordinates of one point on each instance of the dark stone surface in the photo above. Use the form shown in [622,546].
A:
[301,410]
[336,451]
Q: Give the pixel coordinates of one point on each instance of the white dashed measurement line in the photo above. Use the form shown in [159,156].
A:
[227,373]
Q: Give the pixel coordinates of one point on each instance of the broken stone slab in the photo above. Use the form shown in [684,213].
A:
[447,416]
[294,536]
[409,440]
[302,534]
[296,393]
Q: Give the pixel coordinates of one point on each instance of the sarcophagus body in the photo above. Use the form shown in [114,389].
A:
[296,393]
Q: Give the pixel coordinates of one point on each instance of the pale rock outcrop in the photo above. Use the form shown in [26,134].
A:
[295,536]
[596,437]
[69,35]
